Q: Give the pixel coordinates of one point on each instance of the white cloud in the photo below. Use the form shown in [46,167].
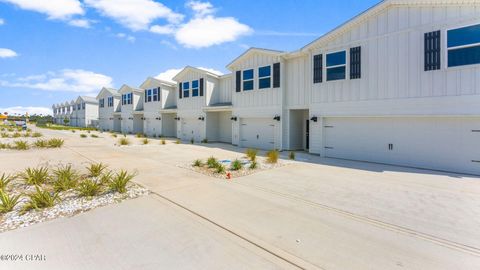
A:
[170,73]
[204,29]
[20,110]
[80,23]
[54,9]
[69,80]
[7,53]
[162,29]
[135,14]
[126,37]
[2,21]
[169,44]
[209,31]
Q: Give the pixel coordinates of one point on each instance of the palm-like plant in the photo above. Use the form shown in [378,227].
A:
[96,169]
[35,176]
[7,203]
[65,178]
[39,199]
[89,188]
[120,181]
[5,179]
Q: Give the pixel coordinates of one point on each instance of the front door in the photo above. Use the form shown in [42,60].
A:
[307,135]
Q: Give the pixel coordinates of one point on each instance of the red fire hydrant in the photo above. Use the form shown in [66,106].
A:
[229,176]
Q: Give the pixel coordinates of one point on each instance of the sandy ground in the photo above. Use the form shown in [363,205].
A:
[314,213]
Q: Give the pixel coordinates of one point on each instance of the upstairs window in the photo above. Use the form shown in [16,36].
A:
[463,46]
[186,89]
[110,101]
[102,103]
[264,77]
[79,106]
[83,105]
[195,88]
[336,66]
[247,80]
[156,94]
[148,95]
[129,98]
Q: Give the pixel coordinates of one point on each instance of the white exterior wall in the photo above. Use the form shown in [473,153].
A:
[105,114]
[393,81]
[226,89]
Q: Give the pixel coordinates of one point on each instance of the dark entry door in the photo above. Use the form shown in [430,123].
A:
[307,134]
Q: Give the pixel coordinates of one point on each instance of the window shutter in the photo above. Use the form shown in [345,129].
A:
[432,51]
[145,94]
[318,68]
[355,63]
[276,75]
[180,90]
[238,81]
[201,87]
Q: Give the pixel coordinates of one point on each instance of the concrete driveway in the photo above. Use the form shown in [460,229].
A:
[313,213]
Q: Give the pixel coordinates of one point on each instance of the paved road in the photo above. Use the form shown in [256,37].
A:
[317,213]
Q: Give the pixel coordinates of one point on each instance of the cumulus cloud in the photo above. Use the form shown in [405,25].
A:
[204,29]
[170,73]
[80,23]
[20,110]
[7,53]
[126,37]
[134,14]
[54,9]
[69,80]
[2,21]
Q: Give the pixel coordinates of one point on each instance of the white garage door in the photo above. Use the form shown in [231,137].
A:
[191,128]
[451,144]
[257,133]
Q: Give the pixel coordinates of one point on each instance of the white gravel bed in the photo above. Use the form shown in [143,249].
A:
[69,205]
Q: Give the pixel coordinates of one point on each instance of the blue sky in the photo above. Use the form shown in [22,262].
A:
[53,51]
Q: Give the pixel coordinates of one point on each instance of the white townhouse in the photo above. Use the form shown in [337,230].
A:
[109,104]
[56,112]
[398,84]
[204,108]
[158,95]
[131,114]
[86,112]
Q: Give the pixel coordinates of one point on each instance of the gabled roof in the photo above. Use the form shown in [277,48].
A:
[375,10]
[127,89]
[158,81]
[107,91]
[87,99]
[72,102]
[251,51]
[194,69]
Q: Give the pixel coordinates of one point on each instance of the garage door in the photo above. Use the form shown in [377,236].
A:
[257,133]
[451,144]
[191,128]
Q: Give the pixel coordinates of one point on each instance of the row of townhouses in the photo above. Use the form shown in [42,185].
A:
[398,84]
[82,112]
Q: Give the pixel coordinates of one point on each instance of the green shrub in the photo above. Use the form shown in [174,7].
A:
[219,168]
[37,135]
[40,199]
[73,131]
[212,162]
[5,179]
[272,156]
[251,154]
[16,135]
[124,141]
[236,165]
[35,176]
[145,141]
[106,178]
[65,178]
[55,143]
[114,135]
[192,141]
[41,143]
[26,135]
[178,141]
[163,142]
[83,135]
[120,180]
[205,140]
[7,203]
[197,163]
[88,131]
[4,135]
[94,136]
[140,135]
[89,188]
[29,130]
[96,169]
[5,146]
[291,155]
[253,165]
[21,145]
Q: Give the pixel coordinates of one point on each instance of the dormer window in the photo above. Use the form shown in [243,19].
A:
[148,95]
[336,66]
[186,89]
[101,103]
[195,88]
[247,79]
[110,101]
[83,105]
[264,77]
[156,94]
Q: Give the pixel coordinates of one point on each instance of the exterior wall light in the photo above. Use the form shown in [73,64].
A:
[234,118]
[277,117]
[314,119]
[201,118]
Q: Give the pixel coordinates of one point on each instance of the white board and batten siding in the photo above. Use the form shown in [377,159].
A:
[427,117]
